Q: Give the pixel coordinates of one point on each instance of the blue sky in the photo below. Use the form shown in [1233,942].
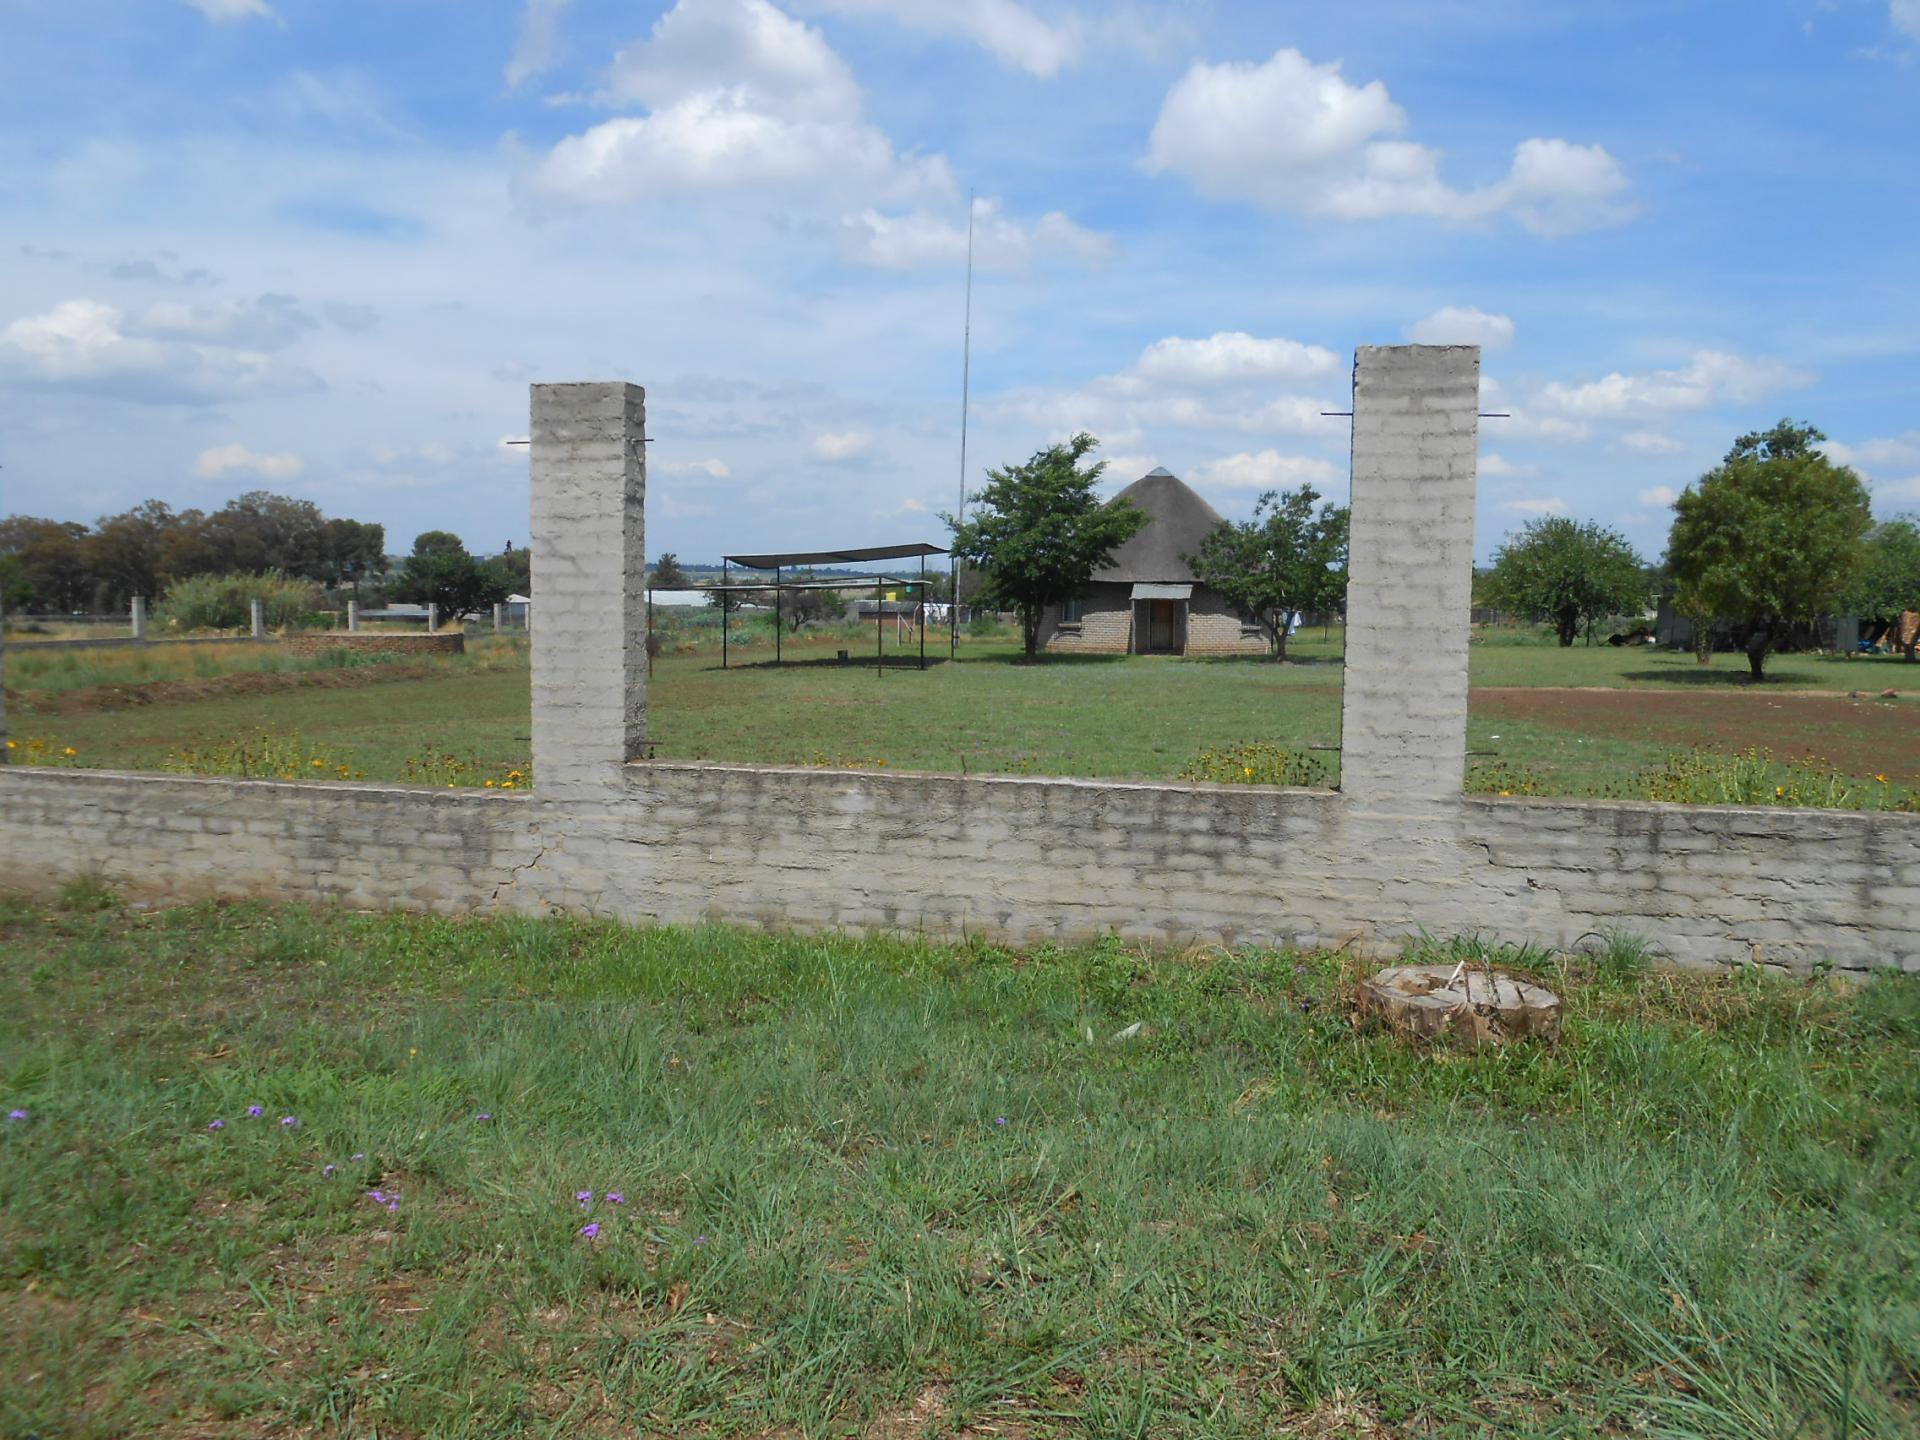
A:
[321,247]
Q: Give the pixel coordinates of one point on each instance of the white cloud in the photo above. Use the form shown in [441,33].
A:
[836,449]
[740,96]
[1269,470]
[1549,505]
[268,323]
[222,10]
[1711,377]
[1463,325]
[1905,15]
[713,469]
[224,458]
[905,242]
[1658,497]
[1293,135]
[1652,442]
[1497,465]
[1014,34]
[538,48]
[1232,356]
[85,345]
[1892,452]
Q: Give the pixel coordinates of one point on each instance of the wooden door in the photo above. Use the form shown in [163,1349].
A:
[1163,622]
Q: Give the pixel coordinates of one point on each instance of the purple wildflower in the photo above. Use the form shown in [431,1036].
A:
[357,1156]
[393,1205]
[377,1197]
[484,1115]
[999,1119]
[216,1125]
[590,1229]
[699,1239]
[16,1115]
[255,1112]
[328,1169]
[614,1197]
[289,1122]
[585,1197]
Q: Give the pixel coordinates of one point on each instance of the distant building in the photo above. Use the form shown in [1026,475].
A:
[1148,601]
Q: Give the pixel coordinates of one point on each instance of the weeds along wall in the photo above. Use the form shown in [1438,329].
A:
[1397,851]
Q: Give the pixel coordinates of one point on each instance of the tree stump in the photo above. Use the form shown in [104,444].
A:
[1473,1007]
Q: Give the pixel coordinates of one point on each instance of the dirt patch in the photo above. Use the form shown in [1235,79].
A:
[1858,737]
[96,698]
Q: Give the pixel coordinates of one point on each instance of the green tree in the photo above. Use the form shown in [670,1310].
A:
[352,550]
[1039,532]
[1573,572]
[124,554]
[438,542]
[1768,537]
[453,580]
[1287,559]
[667,574]
[1887,583]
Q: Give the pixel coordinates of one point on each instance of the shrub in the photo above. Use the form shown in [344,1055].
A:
[1756,777]
[225,602]
[1259,763]
[269,757]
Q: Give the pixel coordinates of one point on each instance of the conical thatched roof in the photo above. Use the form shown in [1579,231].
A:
[1177,521]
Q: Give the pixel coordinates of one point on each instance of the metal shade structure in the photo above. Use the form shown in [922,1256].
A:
[783,560]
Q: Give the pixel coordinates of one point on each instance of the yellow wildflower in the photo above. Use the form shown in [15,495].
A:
[1778,791]
[12,746]
[507,786]
[69,751]
[1881,778]
[489,784]
[318,763]
[514,775]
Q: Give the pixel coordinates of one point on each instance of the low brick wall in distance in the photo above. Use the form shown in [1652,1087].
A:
[315,642]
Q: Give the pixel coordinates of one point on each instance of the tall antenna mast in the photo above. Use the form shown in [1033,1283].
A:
[966,380]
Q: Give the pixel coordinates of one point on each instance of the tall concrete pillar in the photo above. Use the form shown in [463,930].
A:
[433,618]
[499,617]
[1416,426]
[589,483]
[353,617]
[139,617]
[257,615]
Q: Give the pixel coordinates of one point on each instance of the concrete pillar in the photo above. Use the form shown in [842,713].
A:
[139,617]
[589,483]
[499,617]
[353,617]
[433,618]
[1416,426]
[257,614]
[5,755]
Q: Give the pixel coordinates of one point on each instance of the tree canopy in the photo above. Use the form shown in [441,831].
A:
[441,572]
[667,574]
[1887,582]
[1768,537]
[1572,572]
[1287,559]
[1039,531]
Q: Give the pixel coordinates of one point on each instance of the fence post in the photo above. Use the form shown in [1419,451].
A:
[353,616]
[588,485]
[1416,424]
[4,753]
[433,618]
[499,617]
[139,617]
[257,614]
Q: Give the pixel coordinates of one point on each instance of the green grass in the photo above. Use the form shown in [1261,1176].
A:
[1102,717]
[1693,1217]
[53,671]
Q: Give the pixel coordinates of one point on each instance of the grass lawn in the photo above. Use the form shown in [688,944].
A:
[1579,721]
[886,1189]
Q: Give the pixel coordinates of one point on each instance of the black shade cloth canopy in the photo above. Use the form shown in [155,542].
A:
[828,557]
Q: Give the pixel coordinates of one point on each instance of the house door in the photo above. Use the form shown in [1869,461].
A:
[1163,627]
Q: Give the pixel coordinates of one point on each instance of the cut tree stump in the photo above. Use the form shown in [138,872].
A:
[1474,1007]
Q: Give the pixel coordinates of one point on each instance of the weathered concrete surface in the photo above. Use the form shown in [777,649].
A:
[1397,852]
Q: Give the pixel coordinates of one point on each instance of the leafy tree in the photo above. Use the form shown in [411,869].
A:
[1039,532]
[1287,559]
[1887,584]
[125,552]
[667,574]
[518,564]
[453,580]
[352,550]
[1770,536]
[438,542]
[50,561]
[1572,572]
[797,607]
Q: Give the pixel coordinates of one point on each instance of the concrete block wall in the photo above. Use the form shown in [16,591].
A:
[1397,851]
